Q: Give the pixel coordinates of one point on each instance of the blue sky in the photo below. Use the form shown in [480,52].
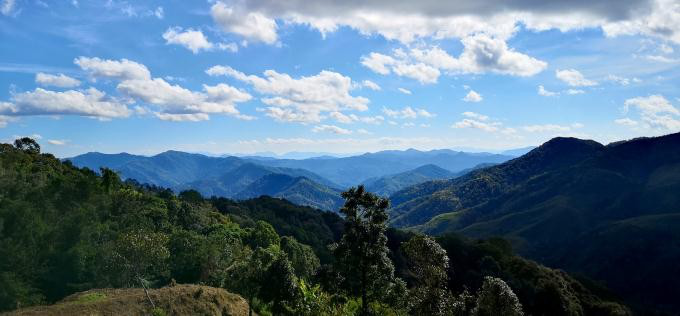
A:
[252,76]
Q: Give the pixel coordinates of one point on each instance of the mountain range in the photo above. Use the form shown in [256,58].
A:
[610,212]
[315,182]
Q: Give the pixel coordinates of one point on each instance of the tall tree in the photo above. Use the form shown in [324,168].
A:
[497,298]
[362,253]
[429,264]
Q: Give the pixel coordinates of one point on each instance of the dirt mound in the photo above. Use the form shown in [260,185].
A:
[181,299]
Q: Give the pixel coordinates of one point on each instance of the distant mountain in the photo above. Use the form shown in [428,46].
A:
[351,171]
[611,212]
[518,151]
[218,176]
[228,176]
[299,190]
[389,184]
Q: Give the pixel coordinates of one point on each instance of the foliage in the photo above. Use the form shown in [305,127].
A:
[497,298]
[362,253]
[429,264]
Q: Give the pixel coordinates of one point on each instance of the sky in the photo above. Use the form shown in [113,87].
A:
[351,76]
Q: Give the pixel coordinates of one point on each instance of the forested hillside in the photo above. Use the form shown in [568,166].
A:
[608,212]
[65,230]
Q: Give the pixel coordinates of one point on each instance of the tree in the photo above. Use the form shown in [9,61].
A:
[429,264]
[263,236]
[27,145]
[362,253]
[139,254]
[497,298]
[248,276]
[301,257]
[281,285]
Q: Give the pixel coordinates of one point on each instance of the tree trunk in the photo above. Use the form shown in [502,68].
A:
[250,306]
[146,292]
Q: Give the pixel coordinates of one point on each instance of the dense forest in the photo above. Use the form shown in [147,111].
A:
[65,229]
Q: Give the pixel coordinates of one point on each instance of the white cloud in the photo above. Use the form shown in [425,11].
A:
[481,54]
[574,78]
[331,128]
[623,81]
[253,26]
[194,40]
[175,99]
[662,59]
[117,69]
[472,96]
[7,7]
[159,13]
[404,91]
[484,126]
[653,104]
[575,91]
[626,121]
[655,112]
[195,117]
[547,128]
[363,132]
[371,85]
[90,102]
[305,99]
[477,116]
[60,80]
[407,113]
[57,142]
[407,21]
[546,93]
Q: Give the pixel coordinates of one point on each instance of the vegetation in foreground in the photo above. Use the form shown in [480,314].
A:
[65,230]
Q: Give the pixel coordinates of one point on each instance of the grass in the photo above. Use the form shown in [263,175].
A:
[90,298]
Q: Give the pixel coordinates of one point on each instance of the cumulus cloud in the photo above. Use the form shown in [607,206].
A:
[407,113]
[574,78]
[472,96]
[194,40]
[90,102]
[655,112]
[407,21]
[174,99]
[116,69]
[252,25]
[331,128]
[481,54]
[546,93]
[476,116]
[305,99]
[59,80]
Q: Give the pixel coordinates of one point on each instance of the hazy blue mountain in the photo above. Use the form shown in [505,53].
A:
[299,190]
[350,171]
[518,151]
[611,213]
[386,185]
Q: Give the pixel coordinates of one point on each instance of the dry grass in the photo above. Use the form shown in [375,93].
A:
[183,299]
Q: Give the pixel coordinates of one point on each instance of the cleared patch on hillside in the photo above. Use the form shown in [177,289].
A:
[184,299]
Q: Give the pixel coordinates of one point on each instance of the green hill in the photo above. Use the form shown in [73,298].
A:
[607,212]
[299,190]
